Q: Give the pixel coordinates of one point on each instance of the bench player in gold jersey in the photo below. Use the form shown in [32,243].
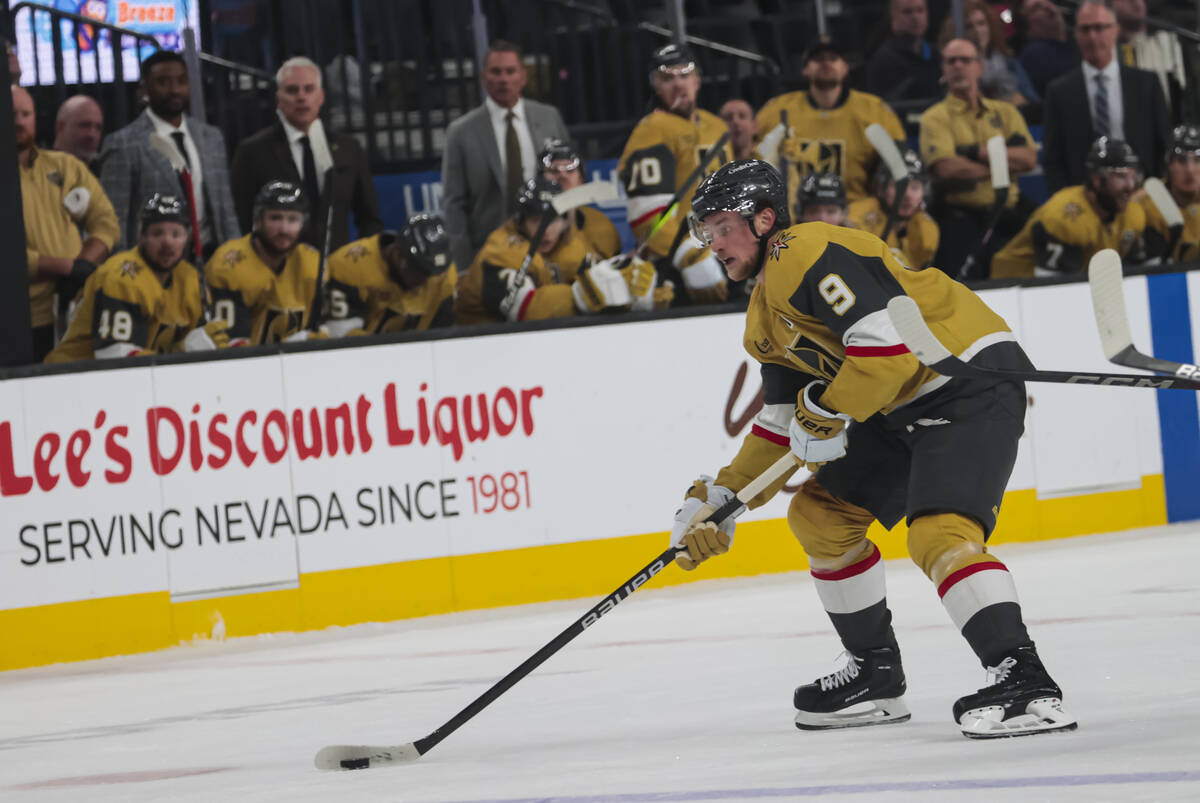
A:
[914,235]
[144,300]
[661,153]
[393,281]
[263,283]
[821,197]
[1183,182]
[561,163]
[887,438]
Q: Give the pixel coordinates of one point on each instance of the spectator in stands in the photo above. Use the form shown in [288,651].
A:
[491,152]
[913,234]
[561,163]
[905,67]
[14,63]
[147,299]
[1047,53]
[137,161]
[1158,52]
[1101,98]
[1077,222]
[331,167]
[61,198]
[954,135]
[1003,76]
[821,198]
[78,128]
[743,128]
[1183,182]
[393,281]
[828,122]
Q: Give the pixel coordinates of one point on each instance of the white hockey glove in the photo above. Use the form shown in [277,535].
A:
[701,539]
[515,295]
[601,288]
[817,435]
[341,327]
[640,277]
[703,275]
[210,337]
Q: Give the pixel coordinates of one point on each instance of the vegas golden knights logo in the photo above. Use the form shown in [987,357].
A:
[821,156]
[815,357]
[279,324]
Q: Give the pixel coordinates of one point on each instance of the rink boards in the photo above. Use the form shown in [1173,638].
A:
[152,506]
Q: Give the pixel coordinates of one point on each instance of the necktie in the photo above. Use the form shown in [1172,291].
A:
[1101,124]
[311,187]
[179,143]
[512,158]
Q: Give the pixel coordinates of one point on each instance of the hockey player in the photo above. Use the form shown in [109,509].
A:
[1064,233]
[1183,182]
[393,281]
[563,278]
[144,300]
[263,283]
[661,153]
[828,122]
[561,163]
[914,235]
[887,438]
[822,197]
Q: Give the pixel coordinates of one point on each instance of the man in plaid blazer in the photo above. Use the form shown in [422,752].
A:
[150,155]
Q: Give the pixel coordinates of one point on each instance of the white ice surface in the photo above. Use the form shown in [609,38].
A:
[678,695]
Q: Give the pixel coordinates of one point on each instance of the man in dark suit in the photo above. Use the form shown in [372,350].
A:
[297,148]
[1101,98]
[161,150]
[491,151]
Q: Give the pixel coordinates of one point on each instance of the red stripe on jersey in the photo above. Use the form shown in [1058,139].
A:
[652,213]
[853,570]
[773,437]
[967,571]
[876,351]
[525,305]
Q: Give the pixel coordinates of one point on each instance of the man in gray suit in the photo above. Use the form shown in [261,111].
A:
[491,152]
[186,152]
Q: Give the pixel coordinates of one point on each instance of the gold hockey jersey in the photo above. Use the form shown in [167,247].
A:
[830,140]
[260,305]
[126,309]
[599,232]
[1064,233]
[360,286]
[1157,235]
[661,153]
[916,239]
[819,311]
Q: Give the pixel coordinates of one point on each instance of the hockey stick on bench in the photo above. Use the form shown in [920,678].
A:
[998,164]
[357,757]
[885,146]
[1166,206]
[923,343]
[1108,302]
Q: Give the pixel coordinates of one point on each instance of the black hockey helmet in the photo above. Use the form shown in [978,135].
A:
[1107,153]
[160,208]
[1185,140]
[745,187]
[533,199]
[821,189]
[425,243]
[559,150]
[280,195]
[672,55]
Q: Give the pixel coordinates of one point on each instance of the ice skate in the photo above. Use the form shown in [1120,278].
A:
[1021,700]
[866,691]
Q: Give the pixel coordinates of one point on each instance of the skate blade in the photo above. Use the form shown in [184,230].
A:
[881,712]
[1041,716]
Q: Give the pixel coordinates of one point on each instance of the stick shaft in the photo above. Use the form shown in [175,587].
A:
[314,314]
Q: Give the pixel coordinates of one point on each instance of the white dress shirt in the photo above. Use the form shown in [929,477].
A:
[499,116]
[322,157]
[164,128]
[1112,82]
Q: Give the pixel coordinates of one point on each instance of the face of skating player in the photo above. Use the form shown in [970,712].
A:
[733,242]
[163,244]
[677,87]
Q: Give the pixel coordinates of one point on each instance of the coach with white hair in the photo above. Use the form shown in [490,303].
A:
[331,167]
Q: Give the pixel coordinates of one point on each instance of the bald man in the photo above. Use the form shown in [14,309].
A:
[78,128]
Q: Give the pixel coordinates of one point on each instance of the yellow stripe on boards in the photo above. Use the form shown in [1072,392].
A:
[96,628]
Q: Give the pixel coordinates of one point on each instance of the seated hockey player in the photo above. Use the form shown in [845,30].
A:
[821,197]
[1183,183]
[393,281]
[887,438]
[561,163]
[1077,222]
[914,234]
[144,300]
[662,152]
[564,277]
[263,284]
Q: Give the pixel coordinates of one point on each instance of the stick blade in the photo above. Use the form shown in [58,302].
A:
[593,192]
[1163,201]
[916,334]
[885,146]
[361,757]
[1105,277]
[998,162]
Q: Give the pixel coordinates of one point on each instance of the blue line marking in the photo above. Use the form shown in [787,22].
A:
[1178,417]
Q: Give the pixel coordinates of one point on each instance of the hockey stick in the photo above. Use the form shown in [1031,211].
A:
[1169,210]
[318,303]
[923,343]
[168,151]
[1112,320]
[885,146]
[677,198]
[998,162]
[784,164]
[357,757]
